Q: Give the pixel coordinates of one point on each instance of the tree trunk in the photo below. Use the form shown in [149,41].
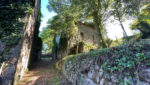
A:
[77,48]
[101,37]
[98,23]
[119,18]
[124,32]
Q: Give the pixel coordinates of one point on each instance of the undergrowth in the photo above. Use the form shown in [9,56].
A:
[125,59]
[11,24]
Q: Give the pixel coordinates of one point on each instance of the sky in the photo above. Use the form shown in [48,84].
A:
[114,29]
[45,13]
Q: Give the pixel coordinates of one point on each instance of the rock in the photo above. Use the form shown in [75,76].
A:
[109,83]
[2,47]
[142,83]
[128,81]
[102,81]
[88,82]
[107,77]
[144,75]
[69,62]
[100,73]
[91,74]
[14,52]
[64,81]
[100,70]
[114,79]
[96,67]
[96,77]
[8,75]
[1,81]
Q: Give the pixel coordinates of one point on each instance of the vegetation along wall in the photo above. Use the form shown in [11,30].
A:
[18,32]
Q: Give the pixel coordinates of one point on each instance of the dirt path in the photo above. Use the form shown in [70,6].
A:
[43,73]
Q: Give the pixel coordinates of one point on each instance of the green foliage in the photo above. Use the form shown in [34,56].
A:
[48,39]
[63,25]
[128,58]
[117,42]
[123,10]
[54,46]
[91,12]
[88,47]
[143,22]
[11,22]
[85,10]
[123,62]
[96,52]
[11,40]
[63,42]
[75,59]
[30,10]
[124,59]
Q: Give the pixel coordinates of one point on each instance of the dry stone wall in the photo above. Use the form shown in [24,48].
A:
[97,67]
[92,74]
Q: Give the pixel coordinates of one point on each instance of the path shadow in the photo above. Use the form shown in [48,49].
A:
[50,72]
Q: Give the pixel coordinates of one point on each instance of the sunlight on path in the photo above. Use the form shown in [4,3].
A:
[41,74]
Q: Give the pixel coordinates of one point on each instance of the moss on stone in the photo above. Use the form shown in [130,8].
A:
[130,51]
[88,47]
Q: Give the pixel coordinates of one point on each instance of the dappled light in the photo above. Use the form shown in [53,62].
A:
[75,42]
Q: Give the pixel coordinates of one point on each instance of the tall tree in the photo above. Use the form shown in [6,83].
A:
[96,11]
[142,23]
[84,9]
[118,12]
[126,9]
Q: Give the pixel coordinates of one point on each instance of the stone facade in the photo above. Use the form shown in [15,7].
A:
[89,34]
[86,39]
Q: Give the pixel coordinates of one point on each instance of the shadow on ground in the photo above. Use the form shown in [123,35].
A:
[43,72]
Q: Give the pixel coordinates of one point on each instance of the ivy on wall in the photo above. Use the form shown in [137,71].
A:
[11,19]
